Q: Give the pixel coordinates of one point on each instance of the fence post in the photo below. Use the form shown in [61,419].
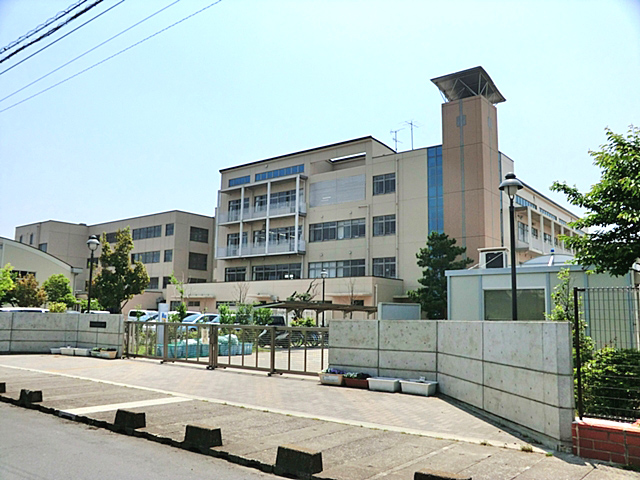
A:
[272,367]
[576,342]
[126,339]
[165,342]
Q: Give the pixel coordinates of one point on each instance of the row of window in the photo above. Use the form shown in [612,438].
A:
[152,257]
[523,234]
[382,267]
[322,232]
[146,232]
[196,234]
[281,172]
[548,214]
[525,203]
[166,281]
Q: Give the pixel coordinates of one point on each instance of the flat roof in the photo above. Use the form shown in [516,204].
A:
[468,83]
[301,152]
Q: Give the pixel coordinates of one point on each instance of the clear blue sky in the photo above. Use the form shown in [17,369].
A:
[244,80]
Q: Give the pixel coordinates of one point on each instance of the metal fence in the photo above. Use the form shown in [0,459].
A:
[607,352]
[273,349]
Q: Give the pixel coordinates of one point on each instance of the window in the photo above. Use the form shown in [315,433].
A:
[384,184]
[497,304]
[196,280]
[235,274]
[112,237]
[276,272]
[525,203]
[31,239]
[548,214]
[343,268]
[283,199]
[260,203]
[199,235]
[534,232]
[434,187]
[233,242]
[523,232]
[174,304]
[233,182]
[343,230]
[168,255]
[555,241]
[234,208]
[168,229]
[20,239]
[281,172]
[358,303]
[43,247]
[147,232]
[166,281]
[384,267]
[193,303]
[197,261]
[146,257]
[153,283]
[384,225]
[547,238]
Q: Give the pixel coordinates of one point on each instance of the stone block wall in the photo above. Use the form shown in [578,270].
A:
[517,371]
[27,332]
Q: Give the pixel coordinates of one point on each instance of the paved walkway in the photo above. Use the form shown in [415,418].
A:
[288,409]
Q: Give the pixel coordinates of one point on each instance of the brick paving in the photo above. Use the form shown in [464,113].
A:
[362,434]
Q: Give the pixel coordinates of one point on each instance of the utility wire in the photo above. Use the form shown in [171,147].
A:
[57,40]
[90,50]
[112,56]
[42,25]
[52,31]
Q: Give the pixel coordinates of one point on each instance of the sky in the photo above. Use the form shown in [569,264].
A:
[148,130]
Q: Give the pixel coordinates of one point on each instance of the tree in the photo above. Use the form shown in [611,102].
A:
[181,309]
[439,255]
[118,279]
[6,284]
[613,206]
[28,293]
[298,313]
[58,288]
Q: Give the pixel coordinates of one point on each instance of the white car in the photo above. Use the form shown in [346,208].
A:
[202,318]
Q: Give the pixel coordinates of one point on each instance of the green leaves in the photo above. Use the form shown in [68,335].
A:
[613,218]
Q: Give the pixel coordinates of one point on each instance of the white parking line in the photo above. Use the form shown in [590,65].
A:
[117,406]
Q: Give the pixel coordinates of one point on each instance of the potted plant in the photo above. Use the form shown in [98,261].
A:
[384,384]
[420,386]
[95,352]
[356,380]
[108,353]
[331,376]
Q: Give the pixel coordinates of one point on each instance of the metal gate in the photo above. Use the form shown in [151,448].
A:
[272,349]
[607,352]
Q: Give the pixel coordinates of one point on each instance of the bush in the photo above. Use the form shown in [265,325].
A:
[57,307]
[303,322]
[611,385]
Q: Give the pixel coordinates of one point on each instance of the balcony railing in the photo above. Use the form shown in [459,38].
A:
[260,212]
[260,249]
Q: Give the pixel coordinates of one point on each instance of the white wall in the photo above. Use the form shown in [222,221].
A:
[518,371]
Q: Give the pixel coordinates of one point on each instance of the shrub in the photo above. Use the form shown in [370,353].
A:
[57,307]
[612,383]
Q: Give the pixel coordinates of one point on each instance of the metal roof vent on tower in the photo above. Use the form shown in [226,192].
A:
[468,83]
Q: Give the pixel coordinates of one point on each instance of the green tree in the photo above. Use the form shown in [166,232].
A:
[119,279]
[181,309]
[58,288]
[439,255]
[6,284]
[613,207]
[262,316]
[28,293]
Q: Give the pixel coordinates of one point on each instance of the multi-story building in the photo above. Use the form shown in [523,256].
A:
[170,242]
[360,211]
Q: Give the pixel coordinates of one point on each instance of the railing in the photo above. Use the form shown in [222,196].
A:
[272,349]
[260,212]
[287,246]
[607,352]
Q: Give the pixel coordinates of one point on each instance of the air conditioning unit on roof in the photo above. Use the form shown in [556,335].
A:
[494,257]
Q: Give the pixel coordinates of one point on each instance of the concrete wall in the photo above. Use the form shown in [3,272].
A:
[518,371]
[22,332]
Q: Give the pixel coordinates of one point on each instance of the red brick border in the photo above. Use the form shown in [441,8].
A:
[608,441]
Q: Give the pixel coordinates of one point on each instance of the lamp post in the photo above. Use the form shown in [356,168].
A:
[324,274]
[93,243]
[511,185]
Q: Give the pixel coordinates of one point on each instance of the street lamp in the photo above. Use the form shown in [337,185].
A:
[511,185]
[93,243]
[324,274]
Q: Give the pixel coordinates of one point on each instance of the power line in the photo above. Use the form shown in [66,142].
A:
[90,50]
[52,31]
[57,40]
[112,56]
[42,25]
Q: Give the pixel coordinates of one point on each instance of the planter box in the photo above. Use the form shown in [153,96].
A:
[382,384]
[67,350]
[82,352]
[331,378]
[55,351]
[356,382]
[416,387]
[107,354]
[95,353]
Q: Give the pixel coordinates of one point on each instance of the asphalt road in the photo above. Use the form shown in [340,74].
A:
[36,446]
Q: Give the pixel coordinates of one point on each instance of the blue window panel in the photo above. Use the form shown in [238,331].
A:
[239,180]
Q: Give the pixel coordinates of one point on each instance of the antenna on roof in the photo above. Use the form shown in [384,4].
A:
[394,134]
[412,124]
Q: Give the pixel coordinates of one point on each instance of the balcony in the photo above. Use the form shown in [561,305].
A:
[260,212]
[260,249]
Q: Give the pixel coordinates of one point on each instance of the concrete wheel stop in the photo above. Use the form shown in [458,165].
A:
[202,438]
[128,420]
[297,461]
[437,475]
[28,397]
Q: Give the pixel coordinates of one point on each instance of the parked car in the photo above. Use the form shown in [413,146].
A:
[141,315]
[24,309]
[202,318]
